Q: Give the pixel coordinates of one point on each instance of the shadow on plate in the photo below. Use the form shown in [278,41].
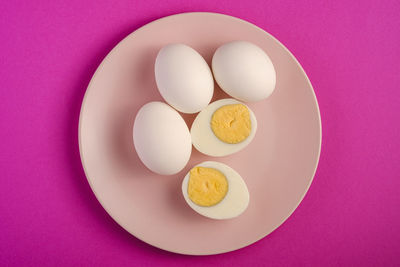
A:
[88,198]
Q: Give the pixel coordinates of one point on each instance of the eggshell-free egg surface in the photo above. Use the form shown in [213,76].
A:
[224,127]
[219,193]
[183,78]
[244,71]
[161,138]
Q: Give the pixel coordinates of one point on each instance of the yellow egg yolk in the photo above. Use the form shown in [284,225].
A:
[231,123]
[207,186]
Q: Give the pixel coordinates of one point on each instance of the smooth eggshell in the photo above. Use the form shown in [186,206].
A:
[183,78]
[244,71]
[161,138]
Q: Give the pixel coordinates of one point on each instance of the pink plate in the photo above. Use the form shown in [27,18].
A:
[278,166]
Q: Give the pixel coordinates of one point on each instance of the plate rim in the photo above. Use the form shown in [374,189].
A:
[188,14]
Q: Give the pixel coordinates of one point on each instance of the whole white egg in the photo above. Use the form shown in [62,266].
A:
[215,190]
[183,78]
[206,141]
[244,71]
[161,138]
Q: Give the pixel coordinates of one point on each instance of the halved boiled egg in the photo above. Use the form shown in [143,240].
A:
[223,128]
[215,190]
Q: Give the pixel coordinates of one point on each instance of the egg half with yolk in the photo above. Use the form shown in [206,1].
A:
[223,128]
[215,190]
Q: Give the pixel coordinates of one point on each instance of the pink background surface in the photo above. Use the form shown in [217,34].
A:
[49,51]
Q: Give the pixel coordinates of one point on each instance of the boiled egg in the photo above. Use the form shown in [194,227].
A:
[244,71]
[183,78]
[215,190]
[161,138]
[223,128]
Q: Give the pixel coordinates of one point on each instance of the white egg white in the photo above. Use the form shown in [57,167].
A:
[204,139]
[235,201]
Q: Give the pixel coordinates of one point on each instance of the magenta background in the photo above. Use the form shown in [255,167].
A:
[49,51]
